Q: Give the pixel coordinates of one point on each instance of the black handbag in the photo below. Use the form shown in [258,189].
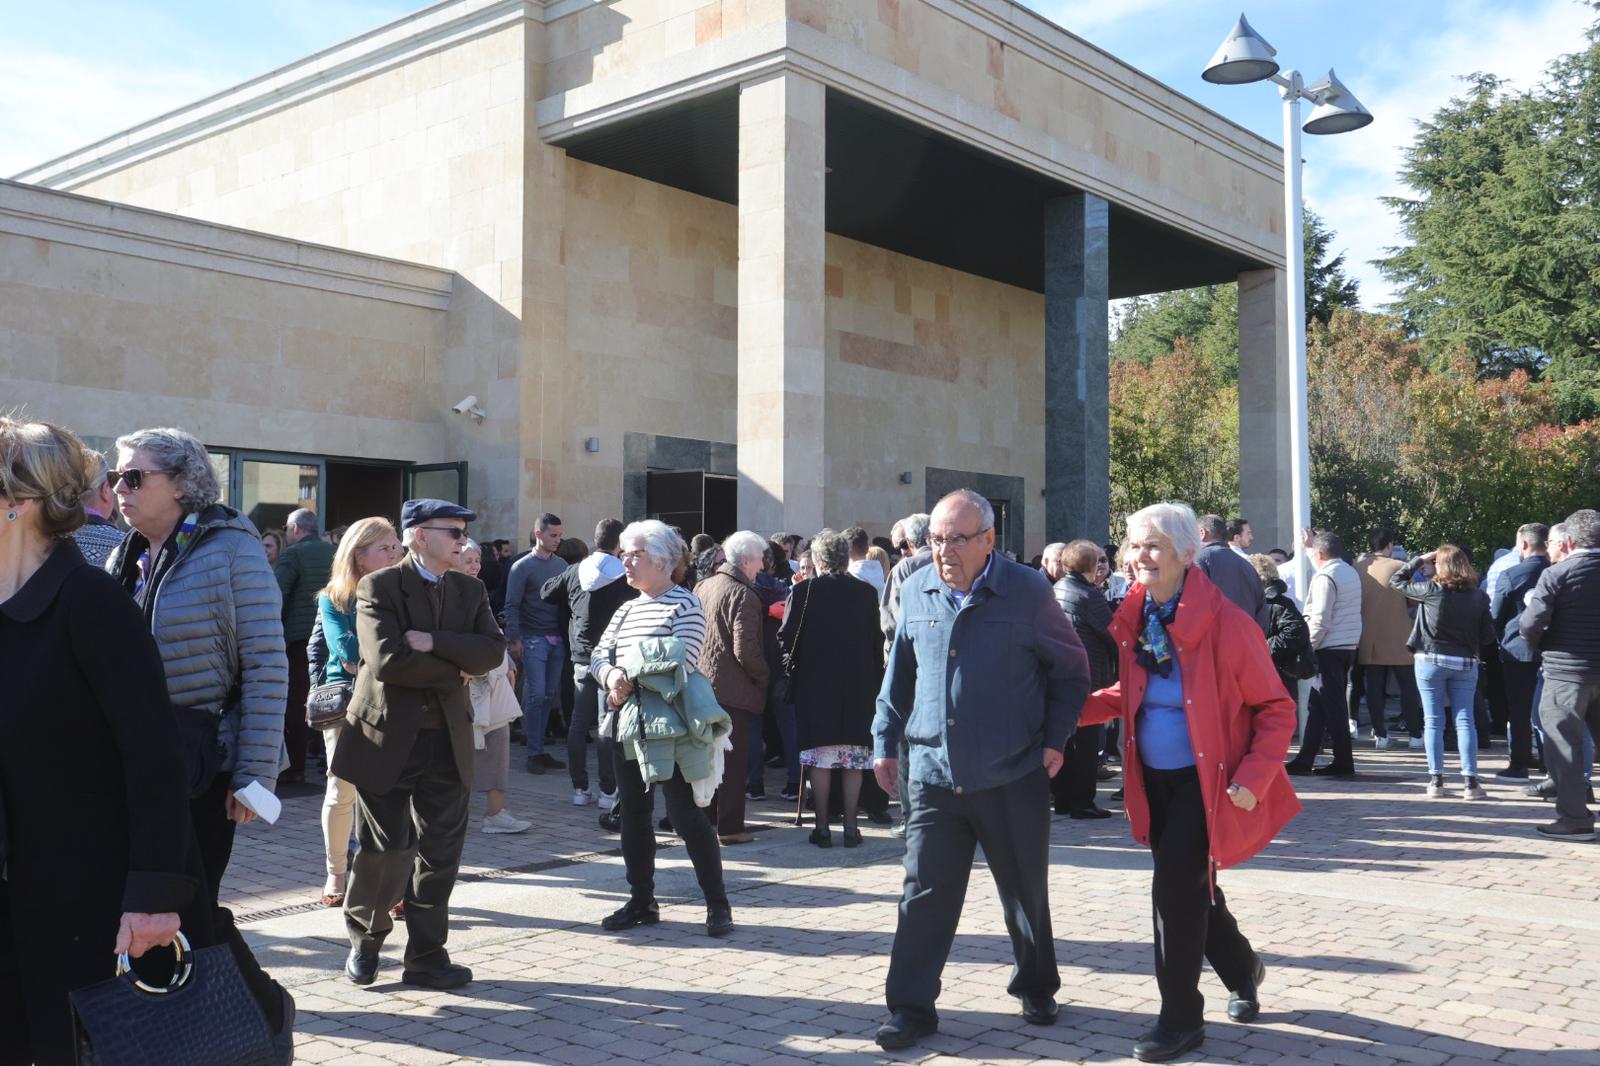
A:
[205,1016]
[327,704]
[790,659]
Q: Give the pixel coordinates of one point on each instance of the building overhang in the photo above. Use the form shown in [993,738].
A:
[899,185]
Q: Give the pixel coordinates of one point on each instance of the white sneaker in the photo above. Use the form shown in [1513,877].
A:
[504,822]
[1389,743]
[581,797]
[607,800]
[1414,744]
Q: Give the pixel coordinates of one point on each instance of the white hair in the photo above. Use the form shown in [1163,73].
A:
[1054,549]
[408,537]
[975,500]
[657,539]
[181,455]
[1174,521]
[470,545]
[744,545]
[916,529]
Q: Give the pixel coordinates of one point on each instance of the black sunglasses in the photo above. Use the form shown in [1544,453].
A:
[455,533]
[134,477]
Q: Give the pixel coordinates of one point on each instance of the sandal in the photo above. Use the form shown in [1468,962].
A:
[333,891]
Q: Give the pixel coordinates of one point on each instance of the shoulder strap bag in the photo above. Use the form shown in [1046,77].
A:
[791,661]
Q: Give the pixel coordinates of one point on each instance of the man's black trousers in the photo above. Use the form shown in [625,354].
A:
[1012,823]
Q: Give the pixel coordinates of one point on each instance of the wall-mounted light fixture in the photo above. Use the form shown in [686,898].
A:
[905,477]
[591,444]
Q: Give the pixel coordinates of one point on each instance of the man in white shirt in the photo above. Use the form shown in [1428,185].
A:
[1333,615]
[1240,536]
[868,570]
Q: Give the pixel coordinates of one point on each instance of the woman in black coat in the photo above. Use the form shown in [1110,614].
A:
[1288,636]
[94,826]
[831,637]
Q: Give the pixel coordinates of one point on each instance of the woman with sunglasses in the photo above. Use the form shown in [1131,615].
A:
[199,574]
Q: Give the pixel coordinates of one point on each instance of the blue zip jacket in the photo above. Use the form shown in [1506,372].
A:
[980,692]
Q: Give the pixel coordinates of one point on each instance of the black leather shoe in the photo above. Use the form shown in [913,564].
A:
[719,919]
[632,913]
[822,838]
[1244,1005]
[1512,773]
[852,838]
[903,1029]
[1545,789]
[1090,812]
[1116,797]
[1297,769]
[440,979]
[1564,829]
[1038,1008]
[1333,769]
[361,969]
[1160,1045]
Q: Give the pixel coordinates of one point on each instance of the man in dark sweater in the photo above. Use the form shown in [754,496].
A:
[302,571]
[1234,577]
[533,633]
[1561,620]
[588,593]
[1519,664]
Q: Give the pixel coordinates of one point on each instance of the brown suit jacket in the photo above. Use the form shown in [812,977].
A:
[1385,620]
[393,682]
[733,657]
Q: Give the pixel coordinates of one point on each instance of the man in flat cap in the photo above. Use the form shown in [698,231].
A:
[423,629]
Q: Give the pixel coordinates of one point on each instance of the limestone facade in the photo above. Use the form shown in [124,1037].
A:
[583,302]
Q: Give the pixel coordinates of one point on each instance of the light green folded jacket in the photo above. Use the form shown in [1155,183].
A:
[672,719]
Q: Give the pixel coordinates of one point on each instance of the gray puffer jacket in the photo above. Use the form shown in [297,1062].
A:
[218,622]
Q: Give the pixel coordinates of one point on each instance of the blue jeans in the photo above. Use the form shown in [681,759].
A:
[1443,687]
[542,664]
[758,748]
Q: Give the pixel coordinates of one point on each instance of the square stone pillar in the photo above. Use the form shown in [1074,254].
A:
[781,304]
[1077,440]
[1265,491]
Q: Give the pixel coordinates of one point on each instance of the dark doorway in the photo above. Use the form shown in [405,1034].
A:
[693,500]
[362,490]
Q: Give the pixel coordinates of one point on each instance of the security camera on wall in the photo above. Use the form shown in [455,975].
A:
[470,407]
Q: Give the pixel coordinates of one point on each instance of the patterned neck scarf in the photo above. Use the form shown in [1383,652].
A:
[1155,647]
[180,540]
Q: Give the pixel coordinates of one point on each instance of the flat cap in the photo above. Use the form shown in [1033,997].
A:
[416,512]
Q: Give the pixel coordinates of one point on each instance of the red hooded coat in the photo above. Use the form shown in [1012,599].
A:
[1240,718]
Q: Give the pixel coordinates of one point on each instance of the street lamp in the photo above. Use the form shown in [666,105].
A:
[1246,57]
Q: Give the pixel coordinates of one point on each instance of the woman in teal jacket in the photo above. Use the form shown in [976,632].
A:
[368,545]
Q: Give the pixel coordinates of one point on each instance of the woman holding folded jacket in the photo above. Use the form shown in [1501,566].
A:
[1206,724]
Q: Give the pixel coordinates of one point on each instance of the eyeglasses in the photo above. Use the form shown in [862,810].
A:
[133,476]
[959,541]
[455,532]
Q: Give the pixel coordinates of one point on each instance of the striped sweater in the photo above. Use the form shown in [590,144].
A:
[674,613]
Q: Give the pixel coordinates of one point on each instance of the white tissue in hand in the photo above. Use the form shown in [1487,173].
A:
[262,803]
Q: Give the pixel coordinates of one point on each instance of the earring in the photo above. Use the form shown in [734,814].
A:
[11,516]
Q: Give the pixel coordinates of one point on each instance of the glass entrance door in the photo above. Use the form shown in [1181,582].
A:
[268,490]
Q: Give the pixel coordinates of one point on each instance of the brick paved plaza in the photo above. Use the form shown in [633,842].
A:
[1394,929]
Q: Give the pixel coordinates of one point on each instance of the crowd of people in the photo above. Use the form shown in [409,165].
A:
[200,663]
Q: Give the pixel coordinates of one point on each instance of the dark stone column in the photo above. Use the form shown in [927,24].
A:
[1077,441]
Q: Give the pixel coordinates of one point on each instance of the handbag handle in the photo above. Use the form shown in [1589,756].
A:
[182,969]
[794,653]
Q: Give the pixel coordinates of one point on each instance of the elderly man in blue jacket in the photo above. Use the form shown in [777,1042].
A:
[985,680]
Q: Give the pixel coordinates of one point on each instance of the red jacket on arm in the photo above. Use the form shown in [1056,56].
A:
[1240,718]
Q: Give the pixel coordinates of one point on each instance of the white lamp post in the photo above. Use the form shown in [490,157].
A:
[1245,57]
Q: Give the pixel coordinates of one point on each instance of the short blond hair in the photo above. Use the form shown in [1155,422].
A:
[1267,567]
[42,461]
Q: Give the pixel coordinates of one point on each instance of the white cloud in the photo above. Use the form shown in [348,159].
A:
[1405,81]
[51,103]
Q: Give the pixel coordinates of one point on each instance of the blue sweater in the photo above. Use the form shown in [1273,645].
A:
[1162,726]
[339,630]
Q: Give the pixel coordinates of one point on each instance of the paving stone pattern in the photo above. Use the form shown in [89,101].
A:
[1395,929]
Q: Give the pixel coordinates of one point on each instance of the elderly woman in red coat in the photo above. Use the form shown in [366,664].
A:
[1206,724]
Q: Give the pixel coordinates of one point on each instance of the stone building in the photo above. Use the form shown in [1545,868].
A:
[764,263]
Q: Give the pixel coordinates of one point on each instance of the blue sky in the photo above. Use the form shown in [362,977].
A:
[71,72]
